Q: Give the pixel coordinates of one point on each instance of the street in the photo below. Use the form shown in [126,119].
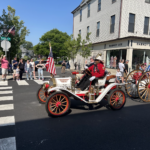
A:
[28,127]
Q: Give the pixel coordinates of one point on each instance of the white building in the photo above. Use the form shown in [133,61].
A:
[119,29]
[25,52]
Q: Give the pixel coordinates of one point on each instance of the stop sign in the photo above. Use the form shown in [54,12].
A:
[5,45]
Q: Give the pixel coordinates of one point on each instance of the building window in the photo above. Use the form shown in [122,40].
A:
[147,1]
[98,28]
[99,5]
[80,32]
[80,15]
[112,24]
[113,1]
[146,25]
[113,57]
[88,15]
[139,57]
[131,23]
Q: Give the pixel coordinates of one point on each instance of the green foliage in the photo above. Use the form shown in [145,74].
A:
[72,46]
[26,58]
[86,47]
[44,58]
[57,40]
[28,45]
[9,19]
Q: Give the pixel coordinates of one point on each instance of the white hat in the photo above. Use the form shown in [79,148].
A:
[98,57]
[4,55]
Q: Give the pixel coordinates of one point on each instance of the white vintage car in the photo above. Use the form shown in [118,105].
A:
[57,96]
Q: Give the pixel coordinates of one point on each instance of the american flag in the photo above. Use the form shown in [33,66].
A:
[12,30]
[50,65]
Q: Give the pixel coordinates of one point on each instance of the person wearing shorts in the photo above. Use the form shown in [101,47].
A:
[15,64]
[4,66]
[122,67]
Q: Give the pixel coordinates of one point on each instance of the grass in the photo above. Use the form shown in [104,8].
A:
[57,65]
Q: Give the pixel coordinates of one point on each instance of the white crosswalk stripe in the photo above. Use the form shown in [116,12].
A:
[5,92]
[6,121]
[3,83]
[6,98]
[7,107]
[5,88]
[8,143]
[41,82]
[22,82]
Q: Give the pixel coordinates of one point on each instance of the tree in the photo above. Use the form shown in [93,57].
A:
[57,40]
[73,45]
[86,45]
[28,45]
[9,19]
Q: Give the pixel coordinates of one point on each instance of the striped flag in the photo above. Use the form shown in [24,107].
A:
[50,65]
[12,30]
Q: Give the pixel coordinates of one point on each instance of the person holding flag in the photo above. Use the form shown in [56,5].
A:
[50,65]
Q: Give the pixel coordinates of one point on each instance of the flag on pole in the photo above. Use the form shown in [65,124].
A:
[12,30]
[50,65]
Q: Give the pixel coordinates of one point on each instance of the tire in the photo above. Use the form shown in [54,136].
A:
[42,96]
[113,100]
[58,104]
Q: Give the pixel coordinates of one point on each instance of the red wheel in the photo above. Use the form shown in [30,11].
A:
[116,99]
[42,95]
[58,104]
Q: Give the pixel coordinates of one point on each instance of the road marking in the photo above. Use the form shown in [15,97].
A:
[7,107]
[40,81]
[22,82]
[5,92]
[3,82]
[8,143]
[4,88]
[7,121]
[5,98]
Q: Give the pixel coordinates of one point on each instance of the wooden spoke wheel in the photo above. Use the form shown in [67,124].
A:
[42,95]
[116,99]
[132,82]
[144,87]
[58,104]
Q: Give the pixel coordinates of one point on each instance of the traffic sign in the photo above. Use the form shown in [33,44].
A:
[5,45]
[4,38]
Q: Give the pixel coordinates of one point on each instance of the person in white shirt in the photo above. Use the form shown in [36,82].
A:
[121,67]
[118,76]
[33,68]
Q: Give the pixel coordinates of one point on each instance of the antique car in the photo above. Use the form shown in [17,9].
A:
[57,96]
[138,85]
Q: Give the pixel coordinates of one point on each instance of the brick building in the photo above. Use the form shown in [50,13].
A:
[119,30]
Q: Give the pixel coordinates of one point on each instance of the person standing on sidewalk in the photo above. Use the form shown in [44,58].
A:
[122,67]
[15,64]
[63,66]
[21,67]
[28,70]
[40,67]
[126,68]
[33,67]
[4,66]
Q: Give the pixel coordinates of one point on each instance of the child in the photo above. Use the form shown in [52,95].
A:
[17,73]
[118,76]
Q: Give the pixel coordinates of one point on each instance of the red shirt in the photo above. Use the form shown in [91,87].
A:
[99,72]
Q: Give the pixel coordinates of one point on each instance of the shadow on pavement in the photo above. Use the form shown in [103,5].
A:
[127,129]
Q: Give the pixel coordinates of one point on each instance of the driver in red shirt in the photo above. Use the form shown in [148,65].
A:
[97,70]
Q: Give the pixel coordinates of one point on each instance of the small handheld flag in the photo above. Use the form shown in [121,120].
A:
[50,65]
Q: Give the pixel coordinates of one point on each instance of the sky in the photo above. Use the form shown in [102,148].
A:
[41,16]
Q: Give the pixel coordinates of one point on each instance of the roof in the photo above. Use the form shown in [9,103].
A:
[80,6]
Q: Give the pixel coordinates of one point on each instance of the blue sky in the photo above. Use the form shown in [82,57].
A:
[41,16]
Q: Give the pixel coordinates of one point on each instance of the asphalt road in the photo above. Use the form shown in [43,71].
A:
[81,129]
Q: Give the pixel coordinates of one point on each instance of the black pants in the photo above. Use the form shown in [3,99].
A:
[21,73]
[84,83]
